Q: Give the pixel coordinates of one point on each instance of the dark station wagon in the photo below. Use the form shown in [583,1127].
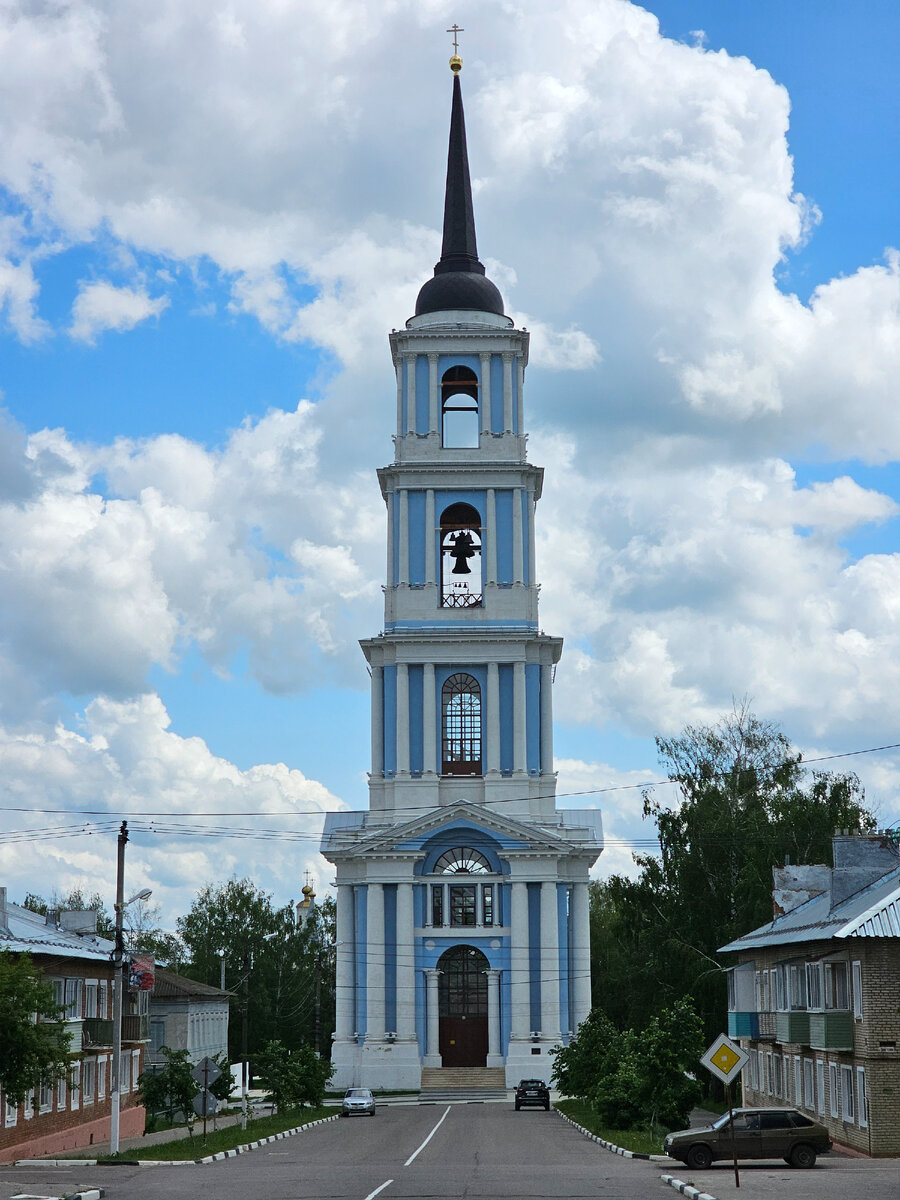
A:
[758,1133]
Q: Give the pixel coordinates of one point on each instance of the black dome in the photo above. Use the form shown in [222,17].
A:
[459,289]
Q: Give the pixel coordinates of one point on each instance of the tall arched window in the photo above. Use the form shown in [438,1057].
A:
[461,585]
[461,725]
[459,408]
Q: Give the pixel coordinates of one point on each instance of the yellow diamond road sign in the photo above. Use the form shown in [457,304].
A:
[725,1059]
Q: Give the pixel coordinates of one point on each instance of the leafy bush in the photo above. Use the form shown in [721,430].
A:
[294,1078]
[170,1090]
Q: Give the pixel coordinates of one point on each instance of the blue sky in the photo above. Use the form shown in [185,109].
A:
[208,221]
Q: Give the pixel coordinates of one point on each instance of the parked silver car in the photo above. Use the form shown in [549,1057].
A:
[358,1102]
[758,1133]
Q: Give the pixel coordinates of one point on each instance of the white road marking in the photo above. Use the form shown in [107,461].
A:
[372,1195]
[427,1140]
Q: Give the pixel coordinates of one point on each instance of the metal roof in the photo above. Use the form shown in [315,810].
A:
[28,933]
[873,911]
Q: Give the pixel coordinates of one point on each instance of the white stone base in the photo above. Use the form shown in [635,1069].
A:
[522,1063]
[392,1066]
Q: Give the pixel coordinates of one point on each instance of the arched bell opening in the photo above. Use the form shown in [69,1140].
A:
[459,408]
[463,1007]
[461,558]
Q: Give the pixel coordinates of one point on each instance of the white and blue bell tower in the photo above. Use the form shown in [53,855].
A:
[462,901]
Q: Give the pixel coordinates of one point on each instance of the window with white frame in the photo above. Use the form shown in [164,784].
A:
[73,999]
[103,999]
[856,971]
[91,990]
[754,1070]
[798,1079]
[846,1093]
[808,1085]
[777,1081]
[837,986]
[814,986]
[88,1080]
[62,1089]
[769,1075]
[833,1090]
[820,1086]
[75,1085]
[773,989]
[781,987]
[101,1077]
[11,1112]
[125,1071]
[798,986]
[862,1112]
[757,990]
[135,1069]
[29,1104]
[45,1097]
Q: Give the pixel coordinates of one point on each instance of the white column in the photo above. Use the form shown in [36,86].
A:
[520,989]
[546,718]
[391,500]
[433,410]
[518,556]
[493,982]
[430,573]
[375,963]
[507,391]
[491,536]
[411,393]
[398,366]
[429,721]
[519,714]
[406,975]
[403,536]
[532,560]
[345,993]
[432,1025]
[580,981]
[520,393]
[402,719]
[493,717]
[484,397]
[377,720]
[549,961]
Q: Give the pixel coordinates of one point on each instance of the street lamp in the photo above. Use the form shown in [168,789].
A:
[118,960]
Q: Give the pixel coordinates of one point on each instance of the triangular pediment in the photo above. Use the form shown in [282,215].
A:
[409,836]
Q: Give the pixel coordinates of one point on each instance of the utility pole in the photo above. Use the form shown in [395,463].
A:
[245,1065]
[118,955]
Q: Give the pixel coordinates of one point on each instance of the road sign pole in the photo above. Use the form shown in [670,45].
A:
[737,1178]
[206,1093]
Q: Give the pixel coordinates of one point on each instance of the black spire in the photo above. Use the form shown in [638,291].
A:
[459,280]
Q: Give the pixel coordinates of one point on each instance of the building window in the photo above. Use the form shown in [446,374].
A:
[75,1086]
[103,1000]
[754,1069]
[461,725]
[820,1086]
[857,991]
[837,986]
[462,905]
[11,1113]
[862,1112]
[798,1080]
[73,999]
[814,986]
[833,1105]
[437,904]
[461,578]
[29,1104]
[88,1080]
[769,1091]
[101,1077]
[778,1083]
[487,903]
[846,1093]
[809,1100]
[798,987]
[459,408]
[91,999]
[45,1097]
[125,1072]
[135,1069]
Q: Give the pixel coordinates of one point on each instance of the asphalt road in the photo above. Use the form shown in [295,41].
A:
[475,1151]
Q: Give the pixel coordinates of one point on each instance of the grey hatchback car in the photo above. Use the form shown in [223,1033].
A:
[758,1133]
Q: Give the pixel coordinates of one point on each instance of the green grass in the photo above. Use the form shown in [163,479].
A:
[639,1141]
[221,1139]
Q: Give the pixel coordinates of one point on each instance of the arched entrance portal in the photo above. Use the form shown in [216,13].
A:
[463,1007]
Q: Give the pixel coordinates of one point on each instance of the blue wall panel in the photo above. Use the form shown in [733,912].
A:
[496,394]
[361,936]
[422,394]
[504,500]
[416,537]
[390,720]
[390,956]
[416,680]
[533,718]
[505,677]
[534,952]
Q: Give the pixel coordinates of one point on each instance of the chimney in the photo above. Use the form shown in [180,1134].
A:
[793,886]
[78,920]
[859,860]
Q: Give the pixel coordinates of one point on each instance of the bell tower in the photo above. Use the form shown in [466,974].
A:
[462,924]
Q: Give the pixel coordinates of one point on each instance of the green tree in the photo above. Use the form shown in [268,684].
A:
[171,1089]
[745,803]
[74,901]
[589,1056]
[293,1077]
[31,1052]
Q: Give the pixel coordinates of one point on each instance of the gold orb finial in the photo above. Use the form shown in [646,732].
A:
[455,64]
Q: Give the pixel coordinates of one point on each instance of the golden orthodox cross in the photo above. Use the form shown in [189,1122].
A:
[455,30]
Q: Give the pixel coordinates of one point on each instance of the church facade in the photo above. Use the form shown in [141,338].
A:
[462,894]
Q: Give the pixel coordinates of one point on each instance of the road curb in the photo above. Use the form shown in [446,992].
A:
[610,1146]
[685,1188]
[96,1193]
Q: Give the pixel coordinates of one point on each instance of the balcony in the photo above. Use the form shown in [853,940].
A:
[831,1030]
[136,1027]
[743,1024]
[792,1027]
[97,1032]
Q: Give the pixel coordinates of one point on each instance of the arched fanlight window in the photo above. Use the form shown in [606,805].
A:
[459,408]
[462,860]
[461,585]
[461,725]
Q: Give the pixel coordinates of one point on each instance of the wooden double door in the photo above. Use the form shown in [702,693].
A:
[463,1007]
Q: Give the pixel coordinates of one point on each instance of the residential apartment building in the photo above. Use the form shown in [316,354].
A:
[815,996]
[186,1015]
[75,1113]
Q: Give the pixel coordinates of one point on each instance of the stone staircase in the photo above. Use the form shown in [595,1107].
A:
[442,1084]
